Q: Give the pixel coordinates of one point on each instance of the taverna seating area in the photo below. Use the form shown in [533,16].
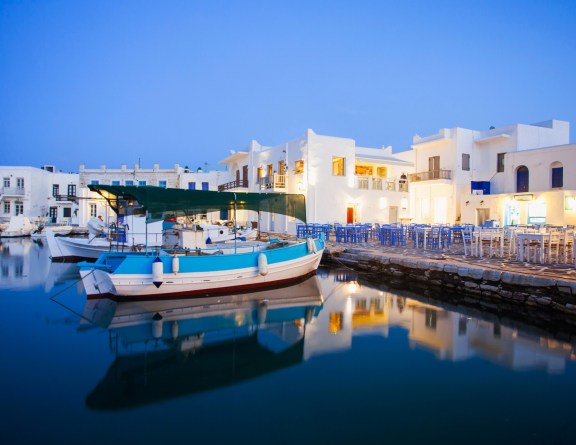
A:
[535,244]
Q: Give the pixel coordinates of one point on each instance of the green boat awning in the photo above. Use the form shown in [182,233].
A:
[161,203]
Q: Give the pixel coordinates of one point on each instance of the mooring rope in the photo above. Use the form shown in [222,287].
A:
[53,298]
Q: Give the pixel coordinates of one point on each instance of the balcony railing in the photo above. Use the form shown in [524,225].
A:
[387,184]
[13,191]
[239,183]
[272,182]
[430,175]
[65,198]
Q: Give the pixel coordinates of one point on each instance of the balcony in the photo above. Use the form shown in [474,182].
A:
[387,184]
[13,191]
[273,182]
[65,198]
[237,184]
[430,175]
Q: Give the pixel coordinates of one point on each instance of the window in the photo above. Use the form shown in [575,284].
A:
[299,166]
[338,166]
[500,162]
[363,170]
[191,186]
[20,183]
[205,186]
[259,173]
[7,208]
[557,177]
[94,182]
[270,170]
[465,162]
[19,208]
[93,211]
[55,190]
[115,182]
[67,212]
[537,212]
[71,189]
[142,183]
[522,179]
[6,182]
[162,184]
[382,172]
[129,182]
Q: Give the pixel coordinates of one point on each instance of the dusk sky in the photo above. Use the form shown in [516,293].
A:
[187,81]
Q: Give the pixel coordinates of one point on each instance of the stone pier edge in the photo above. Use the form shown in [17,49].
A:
[521,290]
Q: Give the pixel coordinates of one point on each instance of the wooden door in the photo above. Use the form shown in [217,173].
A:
[350,215]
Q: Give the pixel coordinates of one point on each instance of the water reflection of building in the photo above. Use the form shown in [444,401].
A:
[169,348]
[23,263]
[351,310]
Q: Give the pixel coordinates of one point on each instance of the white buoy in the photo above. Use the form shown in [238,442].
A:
[175,264]
[262,264]
[157,325]
[311,245]
[157,272]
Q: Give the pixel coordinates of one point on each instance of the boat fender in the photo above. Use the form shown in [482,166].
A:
[175,264]
[157,325]
[262,264]
[157,272]
[311,245]
[208,240]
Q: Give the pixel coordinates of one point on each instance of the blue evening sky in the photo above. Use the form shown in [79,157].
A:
[186,81]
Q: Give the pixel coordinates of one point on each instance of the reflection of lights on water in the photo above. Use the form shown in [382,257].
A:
[352,287]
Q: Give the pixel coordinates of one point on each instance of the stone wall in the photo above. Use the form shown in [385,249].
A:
[492,289]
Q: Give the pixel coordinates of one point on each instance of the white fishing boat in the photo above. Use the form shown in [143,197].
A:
[126,238]
[18,226]
[193,269]
[42,231]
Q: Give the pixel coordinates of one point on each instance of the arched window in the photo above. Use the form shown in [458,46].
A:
[557,175]
[522,177]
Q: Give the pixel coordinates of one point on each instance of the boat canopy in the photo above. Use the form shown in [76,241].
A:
[161,203]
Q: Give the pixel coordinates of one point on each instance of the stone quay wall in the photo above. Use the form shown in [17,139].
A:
[491,288]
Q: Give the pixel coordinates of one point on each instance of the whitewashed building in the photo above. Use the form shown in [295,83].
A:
[341,182]
[176,177]
[42,194]
[517,174]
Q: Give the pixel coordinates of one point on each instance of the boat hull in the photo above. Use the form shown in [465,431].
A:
[200,276]
[64,248]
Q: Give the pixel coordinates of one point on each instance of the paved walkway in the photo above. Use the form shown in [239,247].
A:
[455,255]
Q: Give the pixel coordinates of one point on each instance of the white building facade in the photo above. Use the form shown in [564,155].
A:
[342,183]
[44,195]
[517,174]
[92,205]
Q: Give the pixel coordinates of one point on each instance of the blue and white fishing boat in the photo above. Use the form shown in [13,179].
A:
[193,270]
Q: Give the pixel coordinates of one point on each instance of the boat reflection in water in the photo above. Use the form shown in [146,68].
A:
[171,348]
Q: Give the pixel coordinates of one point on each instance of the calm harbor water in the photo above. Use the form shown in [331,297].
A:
[326,361]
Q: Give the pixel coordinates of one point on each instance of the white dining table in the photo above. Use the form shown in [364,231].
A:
[524,238]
